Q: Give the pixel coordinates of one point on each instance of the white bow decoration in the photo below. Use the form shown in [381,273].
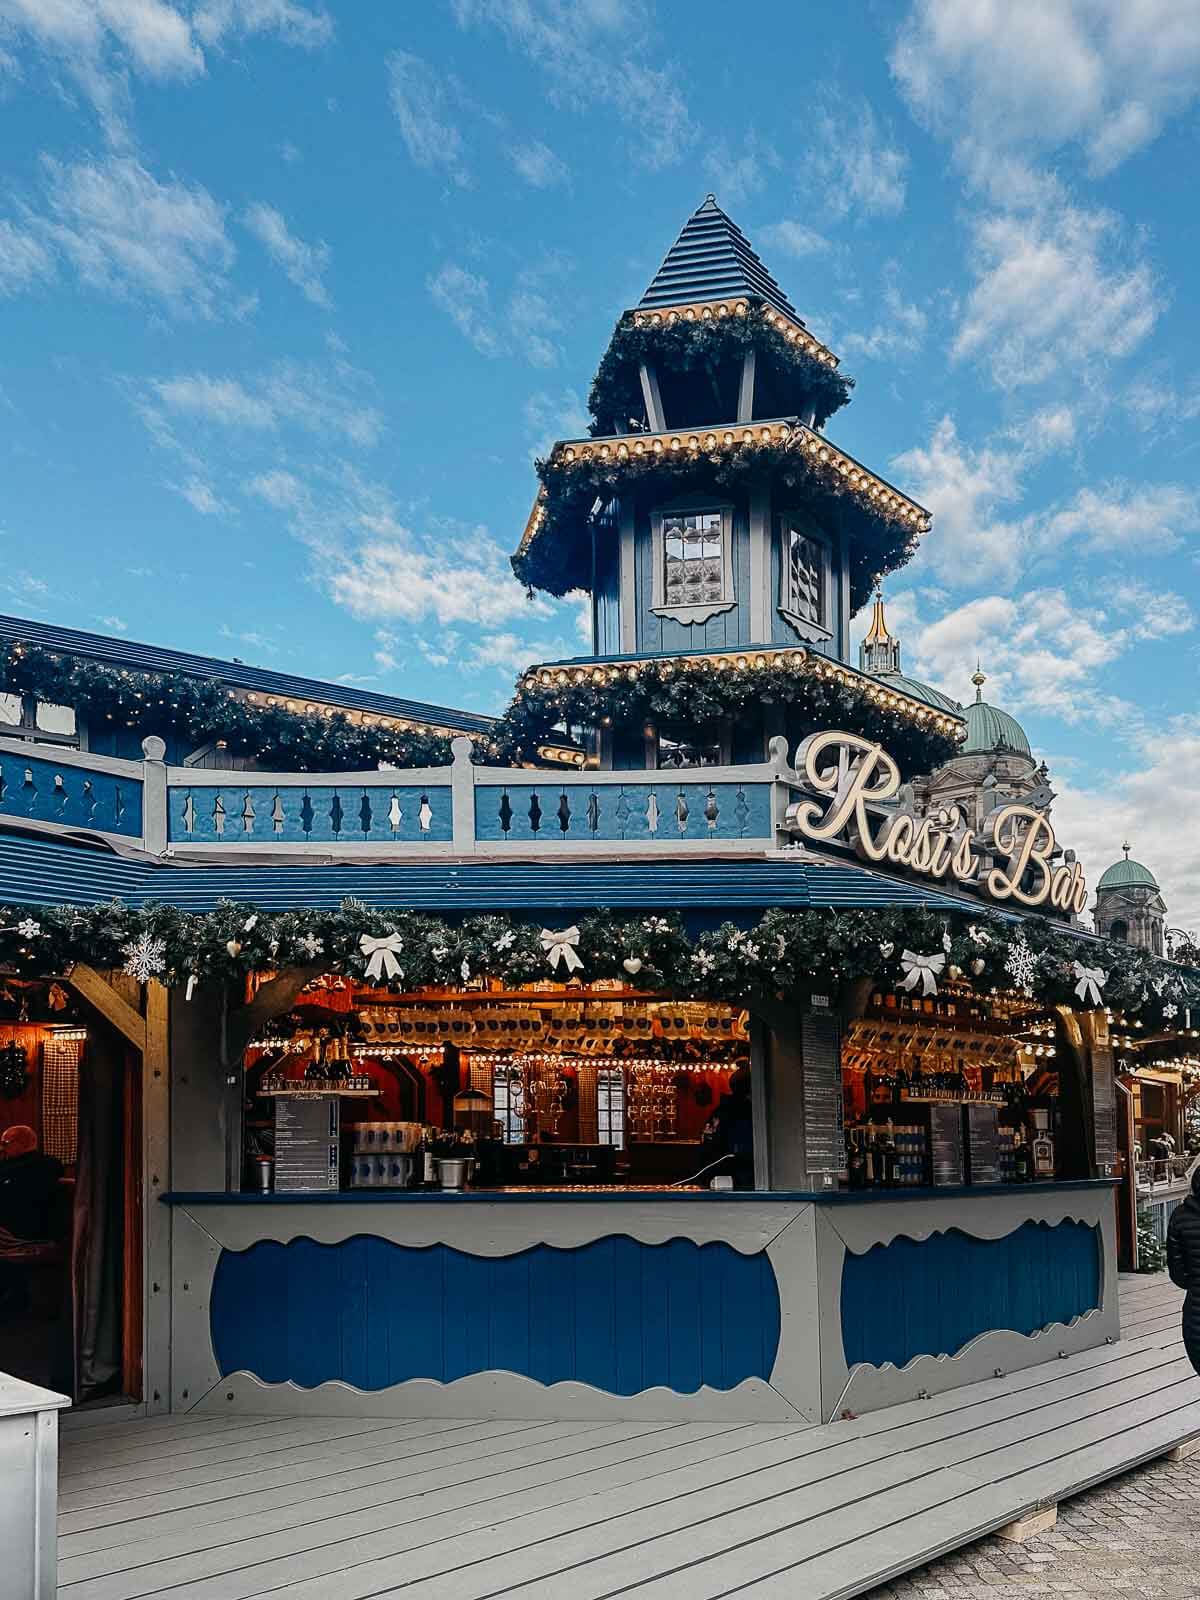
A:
[923,970]
[1090,980]
[381,954]
[562,946]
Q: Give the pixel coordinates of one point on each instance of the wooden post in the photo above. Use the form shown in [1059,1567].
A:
[156,1218]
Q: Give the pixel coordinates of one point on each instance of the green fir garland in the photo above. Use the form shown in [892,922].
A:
[558,557]
[785,954]
[616,393]
[697,695]
[201,709]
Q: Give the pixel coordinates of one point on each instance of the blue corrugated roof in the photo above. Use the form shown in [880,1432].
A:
[712,258]
[39,871]
[154,658]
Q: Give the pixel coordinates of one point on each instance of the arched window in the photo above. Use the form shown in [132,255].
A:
[1119,930]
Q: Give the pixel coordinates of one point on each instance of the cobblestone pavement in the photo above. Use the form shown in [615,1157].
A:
[1136,1535]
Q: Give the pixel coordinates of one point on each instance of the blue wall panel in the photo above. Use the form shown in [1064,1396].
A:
[930,1297]
[616,1314]
[260,813]
[70,795]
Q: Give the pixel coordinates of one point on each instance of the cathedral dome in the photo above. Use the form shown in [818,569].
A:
[923,692]
[989,728]
[1127,874]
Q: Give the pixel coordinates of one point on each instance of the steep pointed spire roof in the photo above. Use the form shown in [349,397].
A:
[711,258]
[878,633]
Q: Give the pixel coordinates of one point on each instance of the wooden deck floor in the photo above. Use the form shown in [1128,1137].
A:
[227,1509]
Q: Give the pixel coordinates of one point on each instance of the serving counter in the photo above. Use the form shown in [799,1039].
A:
[641,1304]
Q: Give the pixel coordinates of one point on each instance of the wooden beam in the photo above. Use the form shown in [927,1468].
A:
[91,986]
[274,998]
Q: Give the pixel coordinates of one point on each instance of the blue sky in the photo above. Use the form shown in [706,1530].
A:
[291,296]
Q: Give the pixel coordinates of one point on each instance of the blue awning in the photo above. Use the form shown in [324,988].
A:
[37,871]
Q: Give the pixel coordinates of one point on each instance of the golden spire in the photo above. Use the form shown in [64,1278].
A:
[978,678]
[878,633]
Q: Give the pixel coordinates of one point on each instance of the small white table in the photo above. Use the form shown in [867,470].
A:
[29,1487]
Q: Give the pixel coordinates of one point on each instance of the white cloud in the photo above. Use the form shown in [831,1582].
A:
[1134,517]
[1143,803]
[594,53]
[420,102]
[24,259]
[791,238]
[305,264]
[390,574]
[289,395]
[524,326]
[1100,75]
[1052,292]
[1154,613]
[100,43]
[114,624]
[901,330]
[282,490]
[538,164]
[738,177]
[202,497]
[465,297]
[552,417]
[966,489]
[130,236]
[302,25]
[861,172]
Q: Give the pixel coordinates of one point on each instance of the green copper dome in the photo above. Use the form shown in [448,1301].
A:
[921,691]
[1128,874]
[989,728]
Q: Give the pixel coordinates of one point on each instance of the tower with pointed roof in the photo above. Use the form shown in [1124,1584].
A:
[714,524]
[1129,904]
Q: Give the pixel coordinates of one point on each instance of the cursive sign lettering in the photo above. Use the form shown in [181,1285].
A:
[857,781]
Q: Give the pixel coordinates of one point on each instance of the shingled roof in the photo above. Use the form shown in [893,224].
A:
[711,258]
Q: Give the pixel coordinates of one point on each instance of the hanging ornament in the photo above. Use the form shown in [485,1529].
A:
[921,970]
[311,945]
[234,947]
[1170,1011]
[14,1073]
[381,955]
[57,997]
[632,965]
[946,940]
[885,950]
[954,973]
[465,969]
[704,961]
[28,928]
[1021,964]
[249,923]
[563,946]
[978,936]
[1089,983]
[506,940]
[977,967]
[440,952]
[193,980]
[145,957]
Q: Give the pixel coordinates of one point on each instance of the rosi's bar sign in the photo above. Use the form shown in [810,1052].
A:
[861,780]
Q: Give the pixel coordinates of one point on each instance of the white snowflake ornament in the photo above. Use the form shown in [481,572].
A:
[28,928]
[311,946]
[145,957]
[1021,964]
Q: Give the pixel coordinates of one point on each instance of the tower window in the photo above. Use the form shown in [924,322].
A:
[805,578]
[693,562]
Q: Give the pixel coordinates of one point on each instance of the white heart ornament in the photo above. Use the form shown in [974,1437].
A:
[632,965]
[885,950]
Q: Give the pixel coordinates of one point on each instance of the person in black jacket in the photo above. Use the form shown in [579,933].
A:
[1183,1263]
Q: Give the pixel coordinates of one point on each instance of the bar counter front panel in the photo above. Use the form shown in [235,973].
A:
[642,1305]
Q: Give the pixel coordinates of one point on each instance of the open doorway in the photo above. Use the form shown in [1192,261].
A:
[70,1185]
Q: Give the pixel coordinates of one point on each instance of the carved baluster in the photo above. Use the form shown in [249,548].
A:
[248,813]
[29,792]
[742,811]
[307,814]
[535,812]
[564,813]
[425,814]
[593,812]
[278,815]
[335,814]
[712,811]
[395,813]
[218,816]
[364,813]
[681,812]
[653,814]
[188,814]
[87,800]
[505,812]
[58,795]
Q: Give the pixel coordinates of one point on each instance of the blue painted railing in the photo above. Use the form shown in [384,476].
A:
[552,813]
[74,796]
[259,812]
[616,1314]
[931,1297]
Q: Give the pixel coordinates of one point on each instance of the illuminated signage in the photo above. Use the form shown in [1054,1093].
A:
[858,784]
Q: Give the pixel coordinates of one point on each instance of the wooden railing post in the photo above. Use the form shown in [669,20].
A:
[154,796]
[462,781]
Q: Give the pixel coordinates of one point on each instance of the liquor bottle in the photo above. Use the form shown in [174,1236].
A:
[856,1161]
[1022,1161]
[1043,1155]
[889,1156]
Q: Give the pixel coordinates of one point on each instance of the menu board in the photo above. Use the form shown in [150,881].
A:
[824,1136]
[1104,1109]
[981,1126]
[306,1143]
[946,1143]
